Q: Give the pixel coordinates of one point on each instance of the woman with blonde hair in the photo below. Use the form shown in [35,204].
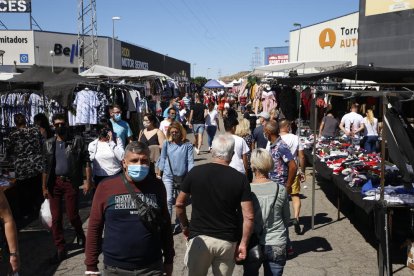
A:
[271,217]
[370,132]
[175,162]
[243,131]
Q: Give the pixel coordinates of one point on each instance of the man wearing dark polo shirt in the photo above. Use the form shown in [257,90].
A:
[128,246]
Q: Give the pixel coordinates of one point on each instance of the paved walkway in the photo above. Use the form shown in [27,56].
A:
[333,248]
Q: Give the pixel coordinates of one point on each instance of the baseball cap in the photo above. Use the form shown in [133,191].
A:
[265,115]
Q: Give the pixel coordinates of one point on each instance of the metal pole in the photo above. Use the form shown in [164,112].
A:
[113,43]
[297,55]
[30,17]
[383,149]
[315,117]
[53,67]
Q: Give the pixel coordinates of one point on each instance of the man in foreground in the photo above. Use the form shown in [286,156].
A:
[217,192]
[131,245]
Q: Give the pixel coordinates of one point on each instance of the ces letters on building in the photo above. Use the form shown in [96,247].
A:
[18,6]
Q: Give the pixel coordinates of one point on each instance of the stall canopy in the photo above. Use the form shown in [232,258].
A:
[60,88]
[55,86]
[267,70]
[358,72]
[98,71]
[213,84]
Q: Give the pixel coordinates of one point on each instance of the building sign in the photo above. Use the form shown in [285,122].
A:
[130,61]
[17,47]
[348,37]
[374,7]
[278,59]
[276,55]
[16,6]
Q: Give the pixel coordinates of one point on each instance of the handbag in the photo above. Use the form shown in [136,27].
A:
[254,250]
[177,180]
[150,216]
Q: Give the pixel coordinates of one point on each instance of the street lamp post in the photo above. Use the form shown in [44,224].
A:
[208,73]
[300,29]
[52,55]
[113,39]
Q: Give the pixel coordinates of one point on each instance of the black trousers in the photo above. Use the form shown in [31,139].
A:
[29,193]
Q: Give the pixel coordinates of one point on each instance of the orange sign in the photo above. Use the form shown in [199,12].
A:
[327,38]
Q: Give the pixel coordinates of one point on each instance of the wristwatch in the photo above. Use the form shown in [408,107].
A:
[14,254]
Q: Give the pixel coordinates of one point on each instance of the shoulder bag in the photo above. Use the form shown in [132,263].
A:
[254,250]
[150,216]
[177,180]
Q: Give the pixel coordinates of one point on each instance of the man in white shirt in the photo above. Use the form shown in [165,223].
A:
[296,148]
[239,160]
[352,122]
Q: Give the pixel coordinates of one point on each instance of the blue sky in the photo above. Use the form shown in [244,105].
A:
[220,35]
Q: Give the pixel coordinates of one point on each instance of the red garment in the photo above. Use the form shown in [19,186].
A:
[306,98]
[243,100]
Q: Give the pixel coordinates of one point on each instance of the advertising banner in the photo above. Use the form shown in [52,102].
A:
[278,59]
[374,7]
[17,47]
[276,55]
[15,6]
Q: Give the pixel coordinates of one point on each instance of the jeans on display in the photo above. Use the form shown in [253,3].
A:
[371,144]
[211,132]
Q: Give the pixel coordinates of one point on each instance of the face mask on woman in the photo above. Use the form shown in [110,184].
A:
[138,172]
[117,117]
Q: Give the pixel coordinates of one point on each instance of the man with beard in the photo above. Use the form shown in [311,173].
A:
[64,157]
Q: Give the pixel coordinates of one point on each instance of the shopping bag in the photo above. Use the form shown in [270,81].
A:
[45,215]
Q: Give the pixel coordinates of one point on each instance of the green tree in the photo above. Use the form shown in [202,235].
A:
[199,81]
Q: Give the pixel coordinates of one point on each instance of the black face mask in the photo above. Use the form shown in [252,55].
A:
[61,130]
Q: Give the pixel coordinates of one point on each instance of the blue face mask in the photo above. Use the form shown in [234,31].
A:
[117,117]
[138,172]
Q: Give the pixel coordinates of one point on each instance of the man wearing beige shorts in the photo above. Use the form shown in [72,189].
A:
[218,194]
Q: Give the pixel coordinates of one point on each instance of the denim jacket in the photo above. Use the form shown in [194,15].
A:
[78,157]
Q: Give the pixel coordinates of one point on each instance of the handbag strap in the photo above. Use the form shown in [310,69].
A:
[169,162]
[270,210]
[134,196]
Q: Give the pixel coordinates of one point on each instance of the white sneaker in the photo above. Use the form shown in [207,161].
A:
[197,151]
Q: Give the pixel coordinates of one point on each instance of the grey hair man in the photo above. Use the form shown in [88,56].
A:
[218,192]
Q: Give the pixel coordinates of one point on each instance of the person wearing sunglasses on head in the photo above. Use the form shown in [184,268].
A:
[64,158]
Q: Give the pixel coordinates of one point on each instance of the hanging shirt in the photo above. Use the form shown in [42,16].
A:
[86,103]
